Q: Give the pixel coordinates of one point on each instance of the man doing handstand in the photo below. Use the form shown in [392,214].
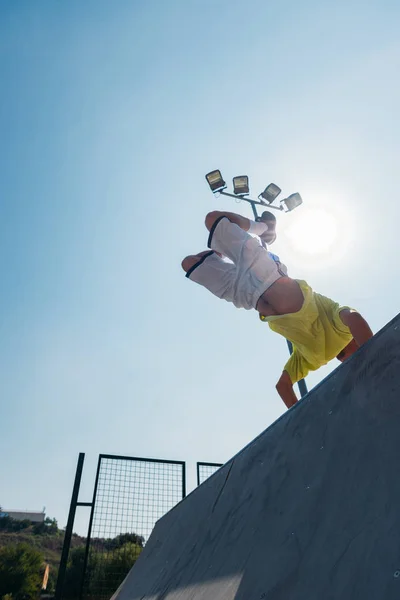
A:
[319,328]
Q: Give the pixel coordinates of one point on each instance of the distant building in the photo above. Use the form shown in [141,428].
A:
[25,515]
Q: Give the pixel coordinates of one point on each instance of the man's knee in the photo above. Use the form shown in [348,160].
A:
[189,262]
[211,217]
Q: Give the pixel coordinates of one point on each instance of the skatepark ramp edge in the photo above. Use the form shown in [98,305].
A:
[309,509]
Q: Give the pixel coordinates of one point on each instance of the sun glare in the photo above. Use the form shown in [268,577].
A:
[313,231]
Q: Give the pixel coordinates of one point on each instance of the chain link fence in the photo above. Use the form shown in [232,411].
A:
[130,495]
[205,470]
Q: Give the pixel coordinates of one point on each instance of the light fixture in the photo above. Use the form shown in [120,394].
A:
[241,185]
[271,192]
[215,181]
[292,201]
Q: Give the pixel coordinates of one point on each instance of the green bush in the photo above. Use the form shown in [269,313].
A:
[122,539]
[21,569]
[105,570]
[8,524]
[48,527]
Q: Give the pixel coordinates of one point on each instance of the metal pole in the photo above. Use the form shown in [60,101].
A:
[252,202]
[85,560]
[301,384]
[302,387]
[198,474]
[183,480]
[68,530]
[253,206]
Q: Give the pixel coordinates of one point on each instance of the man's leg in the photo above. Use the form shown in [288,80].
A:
[212,217]
[227,237]
[209,270]
[256,270]
[191,260]
[267,237]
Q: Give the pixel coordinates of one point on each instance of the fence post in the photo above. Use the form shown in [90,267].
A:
[85,560]
[69,527]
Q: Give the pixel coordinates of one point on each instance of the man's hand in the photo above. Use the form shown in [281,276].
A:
[284,388]
[359,328]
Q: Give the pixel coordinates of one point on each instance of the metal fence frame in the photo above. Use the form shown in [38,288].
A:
[95,491]
[206,464]
[75,503]
[92,505]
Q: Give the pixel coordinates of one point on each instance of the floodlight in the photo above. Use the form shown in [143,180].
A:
[241,185]
[271,192]
[292,201]
[215,181]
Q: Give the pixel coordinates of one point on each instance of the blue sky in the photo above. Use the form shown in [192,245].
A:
[110,115]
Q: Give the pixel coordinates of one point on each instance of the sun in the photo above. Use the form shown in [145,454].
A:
[313,231]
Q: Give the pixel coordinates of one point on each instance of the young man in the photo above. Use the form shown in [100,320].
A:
[318,327]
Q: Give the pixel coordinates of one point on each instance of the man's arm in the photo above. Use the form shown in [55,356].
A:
[284,388]
[359,328]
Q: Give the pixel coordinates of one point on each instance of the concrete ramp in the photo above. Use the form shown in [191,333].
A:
[310,510]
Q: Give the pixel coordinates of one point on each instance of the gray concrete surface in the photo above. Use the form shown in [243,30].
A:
[310,510]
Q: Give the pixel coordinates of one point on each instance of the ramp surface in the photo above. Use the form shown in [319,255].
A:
[310,510]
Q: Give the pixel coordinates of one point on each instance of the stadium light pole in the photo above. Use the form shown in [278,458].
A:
[266,198]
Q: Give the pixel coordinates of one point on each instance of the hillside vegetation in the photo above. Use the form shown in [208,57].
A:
[24,546]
